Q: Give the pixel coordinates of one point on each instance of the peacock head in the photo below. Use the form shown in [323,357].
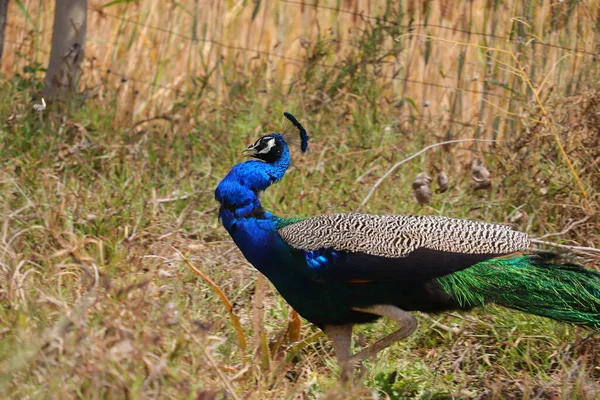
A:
[269,148]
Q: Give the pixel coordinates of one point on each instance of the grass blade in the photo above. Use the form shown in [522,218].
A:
[235,321]
[116,2]
[25,12]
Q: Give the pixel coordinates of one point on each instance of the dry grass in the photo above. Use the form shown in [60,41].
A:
[98,196]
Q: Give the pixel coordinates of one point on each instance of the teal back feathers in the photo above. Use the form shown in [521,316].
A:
[536,283]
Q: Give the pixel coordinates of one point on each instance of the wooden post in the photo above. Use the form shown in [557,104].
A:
[68,43]
[3,17]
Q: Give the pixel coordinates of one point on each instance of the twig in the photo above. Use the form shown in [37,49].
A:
[182,197]
[564,246]
[391,170]
[567,229]
[439,325]
[165,117]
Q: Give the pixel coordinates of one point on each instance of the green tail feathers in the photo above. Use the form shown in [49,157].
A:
[536,284]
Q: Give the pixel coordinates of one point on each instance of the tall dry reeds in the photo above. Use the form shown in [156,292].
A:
[437,60]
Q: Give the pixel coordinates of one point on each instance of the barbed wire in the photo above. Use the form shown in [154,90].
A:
[365,16]
[304,61]
[361,15]
[16,26]
[448,28]
[338,10]
[125,77]
[27,46]
[298,60]
[335,67]
[153,27]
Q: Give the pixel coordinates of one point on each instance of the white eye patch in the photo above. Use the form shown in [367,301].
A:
[269,144]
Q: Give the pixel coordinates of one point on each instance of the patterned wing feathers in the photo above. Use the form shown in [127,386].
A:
[397,236]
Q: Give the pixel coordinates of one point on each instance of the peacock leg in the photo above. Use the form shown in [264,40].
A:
[407,323]
[341,337]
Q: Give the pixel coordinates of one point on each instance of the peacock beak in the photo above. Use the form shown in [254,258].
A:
[250,150]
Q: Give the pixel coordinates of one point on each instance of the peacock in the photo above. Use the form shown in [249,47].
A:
[339,270]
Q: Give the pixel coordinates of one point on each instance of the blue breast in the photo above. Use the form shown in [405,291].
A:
[258,240]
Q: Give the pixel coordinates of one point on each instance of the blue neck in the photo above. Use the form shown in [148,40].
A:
[239,191]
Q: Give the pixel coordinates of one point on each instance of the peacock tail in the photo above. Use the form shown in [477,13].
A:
[535,283]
